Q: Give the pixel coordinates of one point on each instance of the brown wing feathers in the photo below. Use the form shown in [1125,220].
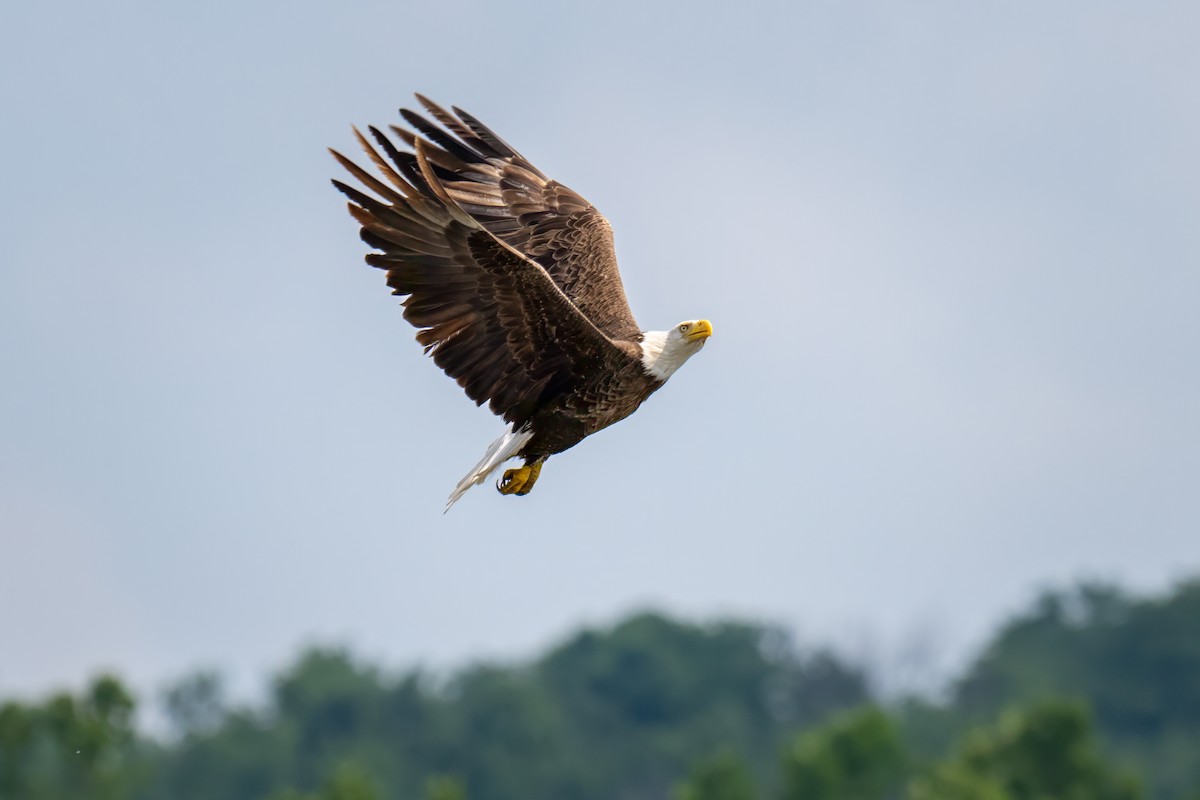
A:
[541,218]
[491,319]
[427,257]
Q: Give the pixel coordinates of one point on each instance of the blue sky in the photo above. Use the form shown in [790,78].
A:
[950,251]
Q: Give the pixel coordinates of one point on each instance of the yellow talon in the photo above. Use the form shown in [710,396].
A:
[519,480]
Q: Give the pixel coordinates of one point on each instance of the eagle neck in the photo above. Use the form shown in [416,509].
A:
[659,357]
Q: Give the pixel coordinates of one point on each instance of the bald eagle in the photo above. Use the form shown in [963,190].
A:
[512,281]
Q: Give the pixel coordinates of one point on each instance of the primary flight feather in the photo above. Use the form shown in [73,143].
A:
[512,281]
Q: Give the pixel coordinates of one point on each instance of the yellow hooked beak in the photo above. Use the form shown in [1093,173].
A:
[701,329]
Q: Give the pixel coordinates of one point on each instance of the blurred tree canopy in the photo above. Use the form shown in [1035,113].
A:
[857,755]
[1045,753]
[1135,663]
[652,708]
[722,776]
[347,782]
[70,746]
[623,711]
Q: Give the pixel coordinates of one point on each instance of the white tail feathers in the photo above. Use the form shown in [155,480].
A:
[497,453]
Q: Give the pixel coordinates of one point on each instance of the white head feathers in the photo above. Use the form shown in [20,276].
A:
[663,352]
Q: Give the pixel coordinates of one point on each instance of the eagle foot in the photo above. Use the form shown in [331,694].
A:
[519,480]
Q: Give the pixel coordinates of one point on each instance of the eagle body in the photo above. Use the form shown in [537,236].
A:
[613,391]
[511,280]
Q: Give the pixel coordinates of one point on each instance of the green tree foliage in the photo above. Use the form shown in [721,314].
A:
[1136,663]
[1046,753]
[505,735]
[322,710]
[445,787]
[348,782]
[623,711]
[649,696]
[69,747]
[722,776]
[196,704]
[857,756]
[628,711]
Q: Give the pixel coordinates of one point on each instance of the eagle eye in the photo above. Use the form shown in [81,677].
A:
[683,328]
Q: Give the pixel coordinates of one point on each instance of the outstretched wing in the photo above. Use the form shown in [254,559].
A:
[491,318]
[537,216]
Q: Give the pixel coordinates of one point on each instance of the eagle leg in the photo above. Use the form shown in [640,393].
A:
[520,480]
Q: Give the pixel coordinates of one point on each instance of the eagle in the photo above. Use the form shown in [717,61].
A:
[511,280]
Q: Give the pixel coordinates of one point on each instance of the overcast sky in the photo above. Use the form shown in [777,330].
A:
[951,252]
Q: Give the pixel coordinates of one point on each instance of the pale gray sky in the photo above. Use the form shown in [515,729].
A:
[951,252]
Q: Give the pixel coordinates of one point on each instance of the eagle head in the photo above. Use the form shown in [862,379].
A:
[663,352]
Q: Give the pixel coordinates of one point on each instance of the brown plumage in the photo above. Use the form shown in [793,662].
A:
[512,281]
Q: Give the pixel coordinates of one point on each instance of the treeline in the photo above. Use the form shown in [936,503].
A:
[1091,695]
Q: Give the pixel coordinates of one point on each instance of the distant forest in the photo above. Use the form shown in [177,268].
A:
[1089,694]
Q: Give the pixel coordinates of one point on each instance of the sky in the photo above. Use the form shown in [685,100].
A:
[951,253]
